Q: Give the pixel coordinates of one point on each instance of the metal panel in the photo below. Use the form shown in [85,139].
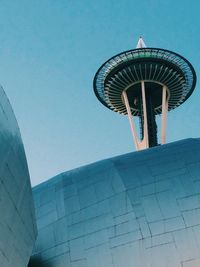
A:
[141,209]
[17,217]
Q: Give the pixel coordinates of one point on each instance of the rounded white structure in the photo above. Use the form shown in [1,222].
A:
[17,215]
[141,209]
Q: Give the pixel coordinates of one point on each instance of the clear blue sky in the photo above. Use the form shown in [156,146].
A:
[49,53]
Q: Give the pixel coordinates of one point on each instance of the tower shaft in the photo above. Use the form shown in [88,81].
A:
[151,120]
[144,101]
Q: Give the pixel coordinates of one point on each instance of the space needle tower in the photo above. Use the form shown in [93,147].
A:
[145,82]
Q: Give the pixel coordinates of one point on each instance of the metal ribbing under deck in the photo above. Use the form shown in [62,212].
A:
[149,64]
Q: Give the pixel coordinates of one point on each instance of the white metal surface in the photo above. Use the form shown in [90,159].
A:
[144,143]
[164,115]
[133,130]
[141,43]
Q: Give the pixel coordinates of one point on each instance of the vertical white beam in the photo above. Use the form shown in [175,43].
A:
[133,131]
[144,143]
[145,138]
[164,115]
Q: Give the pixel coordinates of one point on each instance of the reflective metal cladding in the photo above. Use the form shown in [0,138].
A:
[141,209]
[17,217]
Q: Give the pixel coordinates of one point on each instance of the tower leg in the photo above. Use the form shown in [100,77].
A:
[145,126]
[143,144]
[148,120]
[128,109]
[164,115]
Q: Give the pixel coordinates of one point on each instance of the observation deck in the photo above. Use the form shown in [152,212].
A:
[145,82]
[155,66]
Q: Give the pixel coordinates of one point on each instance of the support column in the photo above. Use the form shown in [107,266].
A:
[128,109]
[145,140]
[144,143]
[147,122]
[164,115]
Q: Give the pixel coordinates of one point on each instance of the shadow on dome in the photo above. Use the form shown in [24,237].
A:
[37,262]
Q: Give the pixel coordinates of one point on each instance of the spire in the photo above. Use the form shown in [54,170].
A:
[141,43]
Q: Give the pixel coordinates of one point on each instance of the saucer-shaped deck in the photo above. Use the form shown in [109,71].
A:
[156,67]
